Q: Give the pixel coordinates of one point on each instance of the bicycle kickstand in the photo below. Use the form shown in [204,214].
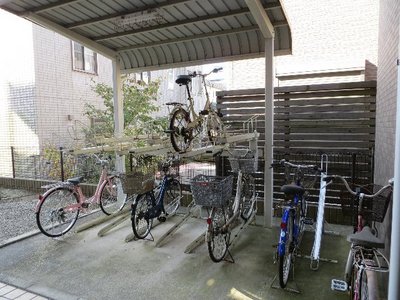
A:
[228,257]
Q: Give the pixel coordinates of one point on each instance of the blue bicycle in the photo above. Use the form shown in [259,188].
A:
[159,202]
[294,216]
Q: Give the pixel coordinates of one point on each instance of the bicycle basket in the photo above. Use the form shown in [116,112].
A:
[137,183]
[373,209]
[307,177]
[211,191]
[376,210]
[244,161]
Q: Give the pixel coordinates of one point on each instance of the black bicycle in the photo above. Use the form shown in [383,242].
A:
[159,202]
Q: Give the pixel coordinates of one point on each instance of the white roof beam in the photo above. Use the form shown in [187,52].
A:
[261,17]
[190,38]
[183,22]
[105,51]
[53,5]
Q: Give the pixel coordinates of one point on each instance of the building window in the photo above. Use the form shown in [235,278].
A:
[83,59]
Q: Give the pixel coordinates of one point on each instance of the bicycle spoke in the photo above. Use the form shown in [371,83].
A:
[57,212]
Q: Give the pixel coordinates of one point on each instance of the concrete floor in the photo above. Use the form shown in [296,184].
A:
[84,266]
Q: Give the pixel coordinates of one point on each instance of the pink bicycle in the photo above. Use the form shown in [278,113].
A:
[58,208]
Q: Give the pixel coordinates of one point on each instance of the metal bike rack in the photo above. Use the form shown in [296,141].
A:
[163,239]
[319,228]
[158,146]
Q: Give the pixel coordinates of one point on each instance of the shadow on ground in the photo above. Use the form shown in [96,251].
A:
[84,266]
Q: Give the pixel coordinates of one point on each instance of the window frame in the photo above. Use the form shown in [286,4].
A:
[77,69]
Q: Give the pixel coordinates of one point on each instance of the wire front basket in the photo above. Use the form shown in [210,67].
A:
[244,161]
[373,209]
[137,183]
[211,191]
[307,177]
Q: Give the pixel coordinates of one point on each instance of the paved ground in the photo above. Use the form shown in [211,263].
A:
[84,266]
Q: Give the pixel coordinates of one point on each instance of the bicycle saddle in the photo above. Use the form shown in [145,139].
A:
[291,189]
[183,79]
[75,180]
[365,238]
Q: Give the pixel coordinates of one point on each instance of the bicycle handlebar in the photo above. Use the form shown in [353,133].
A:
[284,162]
[194,74]
[368,196]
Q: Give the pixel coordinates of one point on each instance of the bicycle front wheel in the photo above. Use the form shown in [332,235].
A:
[58,212]
[181,135]
[214,127]
[285,259]
[141,225]
[112,198]
[172,197]
[217,237]
[248,196]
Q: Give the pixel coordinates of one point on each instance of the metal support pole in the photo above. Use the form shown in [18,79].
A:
[269,129]
[62,163]
[394,276]
[353,169]
[13,161]
[118,109]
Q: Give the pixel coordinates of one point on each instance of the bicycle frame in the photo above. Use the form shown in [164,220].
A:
[196,118]
[284,221]
[77,190]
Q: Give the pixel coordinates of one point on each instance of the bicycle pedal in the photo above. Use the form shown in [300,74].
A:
[85,205]
[168,131]
[308,221]
[162,219]
[339,285]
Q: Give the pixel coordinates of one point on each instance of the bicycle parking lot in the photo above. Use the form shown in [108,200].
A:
[84,266]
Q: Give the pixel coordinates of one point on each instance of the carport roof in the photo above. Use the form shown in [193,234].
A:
[155,34]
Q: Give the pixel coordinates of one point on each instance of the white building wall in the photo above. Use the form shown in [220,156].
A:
[389,44]
[326,35]
[61,91]
[17,89]
[386,90]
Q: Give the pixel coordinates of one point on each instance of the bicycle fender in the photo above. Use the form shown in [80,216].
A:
[282,236]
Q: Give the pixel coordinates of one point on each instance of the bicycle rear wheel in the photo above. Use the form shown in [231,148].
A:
[217,239]
[140,224]
[181,135]
[285,259]
[172,197]
[112,198]
[58,212]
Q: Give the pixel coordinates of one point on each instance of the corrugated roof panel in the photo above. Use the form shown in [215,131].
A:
[192,54]
[153,55]
[168,54]
[160,55]
[234,43]
[180,31]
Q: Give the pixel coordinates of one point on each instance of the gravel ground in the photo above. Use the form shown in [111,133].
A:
[17,212]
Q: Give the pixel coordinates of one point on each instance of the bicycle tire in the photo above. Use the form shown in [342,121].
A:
[54,210]
[217,241]
[349,268]
[354,287]
[140,226]
[181,137]
[214,127]
[112,198]
[285,259]
[248,195]
[364,290]
[172,197]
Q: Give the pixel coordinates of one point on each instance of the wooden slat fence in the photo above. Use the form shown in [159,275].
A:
[336,119]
